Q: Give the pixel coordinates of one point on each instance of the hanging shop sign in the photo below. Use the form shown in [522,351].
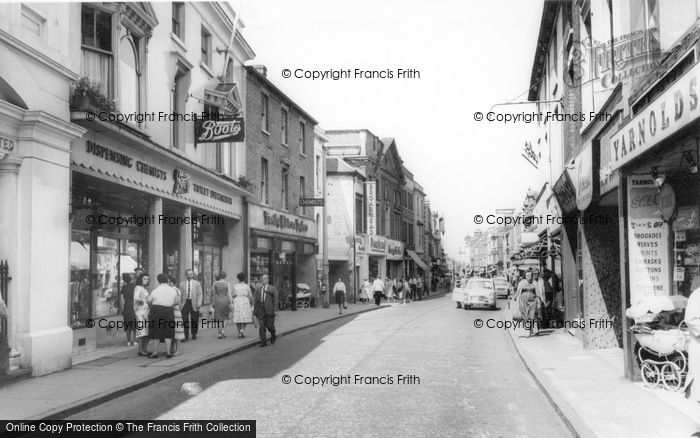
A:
[565,191]
[648,236]
[222,129]
[182,182]
[377,245]
[394,250]
[371,199]
[584,174]
[672,110]
[360,246]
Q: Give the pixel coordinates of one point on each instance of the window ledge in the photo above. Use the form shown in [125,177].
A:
[206,68]
[302,154]
[285,145]
[265,132]
[178,41]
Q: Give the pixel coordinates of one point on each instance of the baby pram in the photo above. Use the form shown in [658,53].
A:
[661,340]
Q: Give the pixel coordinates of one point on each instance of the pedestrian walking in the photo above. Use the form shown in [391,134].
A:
[412,288]
[389,290]
[141,312]
[419,287]
[190,303]
[221,300]
[128,313]
[365,291]
[400,292]
[378,290]
[177,313]
[266,302]
[526,297]
[339,292]
[242,304]
[161,317]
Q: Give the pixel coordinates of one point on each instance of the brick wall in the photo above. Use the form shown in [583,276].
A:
[269,145]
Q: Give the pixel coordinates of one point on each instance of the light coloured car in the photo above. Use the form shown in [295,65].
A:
[503,287]
[480,292]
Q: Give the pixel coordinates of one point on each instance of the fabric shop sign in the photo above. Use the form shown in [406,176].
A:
[219,130]
[565,193]
[672,110]
[648,240]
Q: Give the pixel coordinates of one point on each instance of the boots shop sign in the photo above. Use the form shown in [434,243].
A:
[672,110]
[220,130]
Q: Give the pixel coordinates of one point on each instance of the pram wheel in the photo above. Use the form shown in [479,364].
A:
[671,376]
[650,374]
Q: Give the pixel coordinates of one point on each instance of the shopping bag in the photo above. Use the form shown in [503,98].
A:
[517,316]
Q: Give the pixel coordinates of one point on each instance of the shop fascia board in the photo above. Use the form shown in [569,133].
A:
[120,133]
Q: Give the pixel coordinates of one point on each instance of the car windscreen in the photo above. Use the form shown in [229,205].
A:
[478,284]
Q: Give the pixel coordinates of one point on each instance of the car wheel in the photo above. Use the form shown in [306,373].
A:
[494,307]
[465,307]
[459,305]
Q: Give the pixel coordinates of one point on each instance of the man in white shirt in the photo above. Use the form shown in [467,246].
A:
[378,289]
[190,302]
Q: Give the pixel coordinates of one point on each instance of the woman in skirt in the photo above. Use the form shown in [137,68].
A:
[179,326]
[221,302]
[162,317]
[339,292]
[528,302]
[141,312]
[242,304]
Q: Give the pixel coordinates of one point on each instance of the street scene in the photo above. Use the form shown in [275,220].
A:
[371,218]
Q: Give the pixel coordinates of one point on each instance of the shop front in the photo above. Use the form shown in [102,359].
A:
[656,154]
[377,256]
[283,246]
[133,206]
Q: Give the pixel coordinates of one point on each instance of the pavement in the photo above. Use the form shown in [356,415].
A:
[414,370]
[590,391]
[113,371]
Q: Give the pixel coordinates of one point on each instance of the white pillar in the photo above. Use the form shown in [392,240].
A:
[9,170]
[155,240]
[185,261]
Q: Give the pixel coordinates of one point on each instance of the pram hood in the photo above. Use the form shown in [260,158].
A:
[656,305]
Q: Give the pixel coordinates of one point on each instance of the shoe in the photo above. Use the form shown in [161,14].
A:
[142,354]
[273,338]
[194,337]
[262,345]
[219,336]
[185,340]
[177,353]
[223,335]
[168,356]
[153,356]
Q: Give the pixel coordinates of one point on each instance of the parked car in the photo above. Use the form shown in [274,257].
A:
[458,292]
[503,287]
[480,292]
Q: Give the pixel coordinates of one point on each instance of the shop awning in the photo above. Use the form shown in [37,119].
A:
[418,260]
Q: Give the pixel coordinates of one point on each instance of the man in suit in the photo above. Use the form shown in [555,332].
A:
[190,301]
[266,302]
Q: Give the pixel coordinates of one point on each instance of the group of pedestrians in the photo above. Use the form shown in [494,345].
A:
[535,297]
[169,314]
[393,290]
